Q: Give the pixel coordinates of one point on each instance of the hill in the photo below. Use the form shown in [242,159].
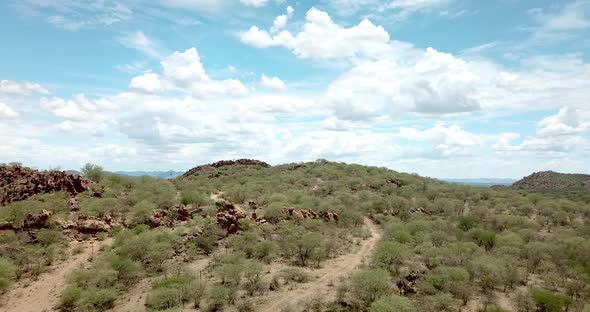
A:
[317,236]
[170,174]
[552,181]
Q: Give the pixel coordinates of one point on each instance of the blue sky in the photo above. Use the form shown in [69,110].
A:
[443,88]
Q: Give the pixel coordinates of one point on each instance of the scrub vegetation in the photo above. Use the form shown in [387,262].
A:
[439,246]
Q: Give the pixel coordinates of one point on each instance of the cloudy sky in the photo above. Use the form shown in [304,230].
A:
[443,88]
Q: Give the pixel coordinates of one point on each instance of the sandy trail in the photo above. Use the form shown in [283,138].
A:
[43,294]
[329,274]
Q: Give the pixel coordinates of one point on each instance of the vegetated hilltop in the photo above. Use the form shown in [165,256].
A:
[223,163]
[316,236]
[552,181]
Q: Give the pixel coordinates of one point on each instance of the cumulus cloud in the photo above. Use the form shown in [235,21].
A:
[6,112]
[185,71]
[148,83]
[272,83]
[78,108]
[21,88]
[448,141]
[562,133]
[321,38]
[281,20]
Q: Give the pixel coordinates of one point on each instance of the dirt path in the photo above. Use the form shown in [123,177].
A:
[43,294]
[328,276]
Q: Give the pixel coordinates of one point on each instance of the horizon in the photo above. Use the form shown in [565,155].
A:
[441,88]
[182,171]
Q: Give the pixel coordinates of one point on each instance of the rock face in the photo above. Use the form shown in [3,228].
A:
[550,180]
[19,183]
[228,216]
[326,216]
[222,163]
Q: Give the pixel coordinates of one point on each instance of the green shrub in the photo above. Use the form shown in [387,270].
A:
[69,298]
[392,303]
[468,222]
[218,297]
[98,300]
[390,255]
[93,172]
[163,298]
[550,302]
[7,274]
[48,237]
[369,284]
[496,308]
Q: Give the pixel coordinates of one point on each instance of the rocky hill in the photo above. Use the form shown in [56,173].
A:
[550,180]
[223,163]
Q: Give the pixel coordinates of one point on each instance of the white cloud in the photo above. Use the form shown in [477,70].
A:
[281,21]
[562,133]
[273,83]
[255,3]
[142,43]
[21,88]
[574,15]
[78,108]
[6,112]
[148,83]
[568,121]
[322,38]
[74,15]
[394,9]
[185,71]
[448,141]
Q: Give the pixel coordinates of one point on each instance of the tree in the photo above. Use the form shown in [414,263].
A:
[390,255]
[392,303]
[369,284]
[547,301]
[306,245]
[93,172]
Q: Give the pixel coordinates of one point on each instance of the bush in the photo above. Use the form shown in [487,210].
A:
[370,284]
[219,296]
[69,298]
[93,172]
[294,275]
[163,298]
[98,300]
[390,255]
[392,303]
[48,237]
[483,238]
[550,302]
[7,274]
[468,222]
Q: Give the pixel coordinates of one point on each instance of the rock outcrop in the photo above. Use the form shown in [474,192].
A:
[19,183]
[228,216]
[223,163]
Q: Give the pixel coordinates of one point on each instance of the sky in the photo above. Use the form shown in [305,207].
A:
[442,88]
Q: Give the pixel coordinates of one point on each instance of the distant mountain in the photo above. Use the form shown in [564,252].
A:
[550,180]
[480,182]
[156,174]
